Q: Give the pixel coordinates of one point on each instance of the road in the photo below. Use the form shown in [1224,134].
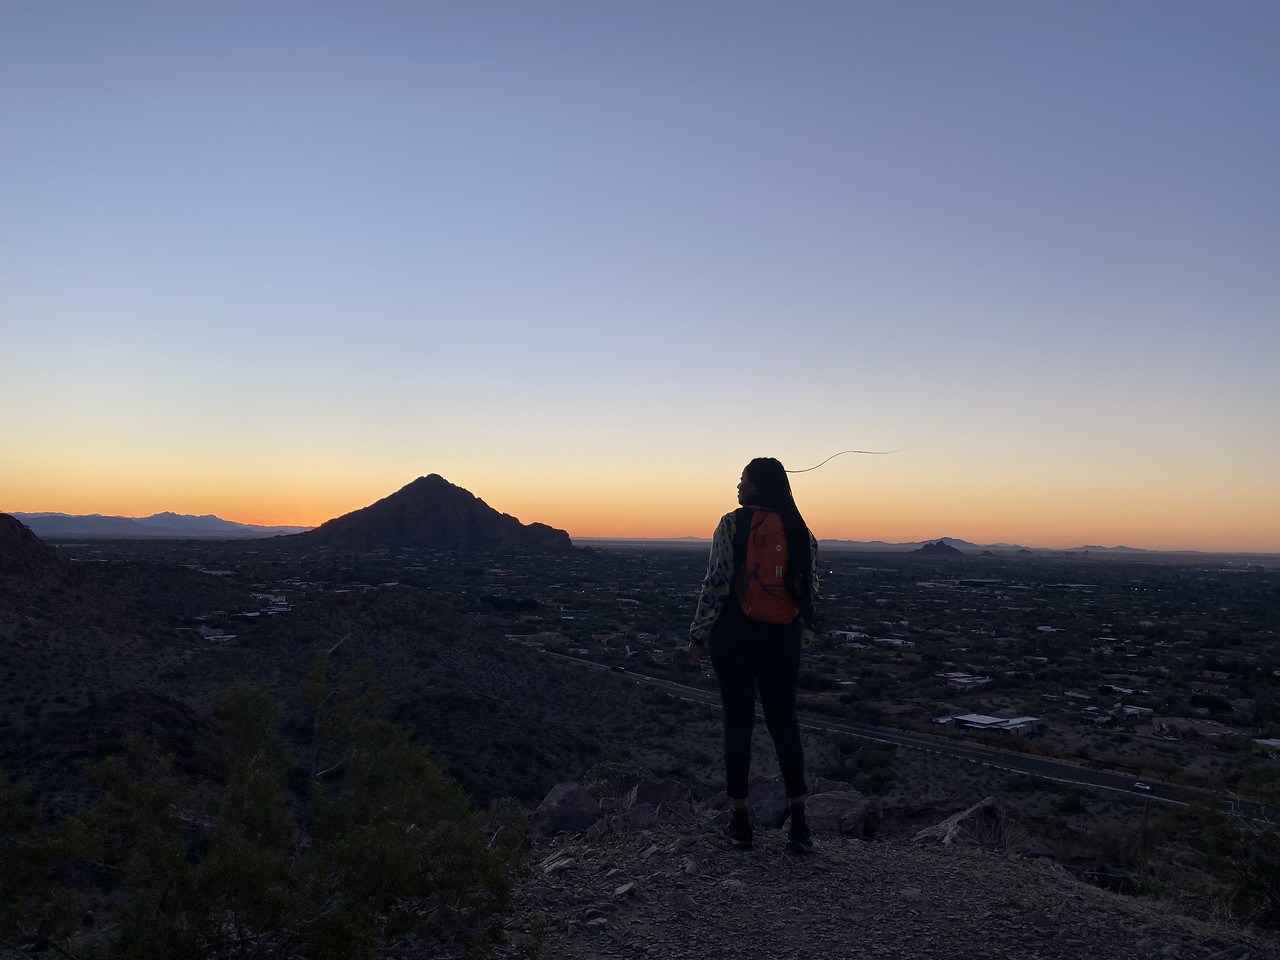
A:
[1055,770]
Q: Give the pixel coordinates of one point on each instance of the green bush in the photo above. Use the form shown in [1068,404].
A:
[872,768]
[380,849]
[1245,857]
[612,778]
[29,908]
[1021,783]
[1069,801]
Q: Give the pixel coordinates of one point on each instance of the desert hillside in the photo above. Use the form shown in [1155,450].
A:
[677,890]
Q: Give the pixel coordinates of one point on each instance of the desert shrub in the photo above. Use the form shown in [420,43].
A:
[811,680]
[864,713]
[612,778]
[1261,781]
[27,908]
[380,848]
[1149,885]
[872,769]
[506,824]
[1069,801]
[1245,857]
[1021,783]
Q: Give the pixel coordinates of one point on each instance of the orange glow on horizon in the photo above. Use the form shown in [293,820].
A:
[894,510]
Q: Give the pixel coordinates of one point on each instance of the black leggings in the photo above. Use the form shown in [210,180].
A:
[745,653]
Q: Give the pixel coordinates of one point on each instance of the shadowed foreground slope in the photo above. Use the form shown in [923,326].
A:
[677,891]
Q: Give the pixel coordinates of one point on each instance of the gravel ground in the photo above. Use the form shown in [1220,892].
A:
[678,891]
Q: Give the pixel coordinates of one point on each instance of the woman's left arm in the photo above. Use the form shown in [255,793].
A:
[813,562]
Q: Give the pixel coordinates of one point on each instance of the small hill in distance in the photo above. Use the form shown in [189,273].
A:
[965,547]
[939,548]
[1118,548]
[432,512]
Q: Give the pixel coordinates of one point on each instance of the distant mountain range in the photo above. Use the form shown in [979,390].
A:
[173,525]
[960,546]
[1120,548]
[953,542]
[428,511]
[869,545]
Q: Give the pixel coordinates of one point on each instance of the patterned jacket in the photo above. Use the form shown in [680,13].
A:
[719,579]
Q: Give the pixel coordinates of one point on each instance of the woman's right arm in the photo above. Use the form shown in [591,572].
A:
[719,578]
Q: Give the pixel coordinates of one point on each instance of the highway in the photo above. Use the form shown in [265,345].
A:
[1056,770]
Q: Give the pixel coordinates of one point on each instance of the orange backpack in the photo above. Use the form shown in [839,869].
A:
[760,567]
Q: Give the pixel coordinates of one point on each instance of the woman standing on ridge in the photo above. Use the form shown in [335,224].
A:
[755,606]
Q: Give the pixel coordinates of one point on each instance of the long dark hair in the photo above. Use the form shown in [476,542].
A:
[773,492]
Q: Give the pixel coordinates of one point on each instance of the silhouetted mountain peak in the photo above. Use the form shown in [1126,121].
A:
[23,553]
[430,511]
[939,548]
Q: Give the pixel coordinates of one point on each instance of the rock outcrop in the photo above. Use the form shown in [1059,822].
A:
[844,812]
[982,825]
[568,807]
[657,792]
[766,800]
[833,807]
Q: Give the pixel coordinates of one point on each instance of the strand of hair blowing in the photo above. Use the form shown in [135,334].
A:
[869,453]
[773,492]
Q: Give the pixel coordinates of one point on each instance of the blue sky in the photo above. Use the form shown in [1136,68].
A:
[273,261]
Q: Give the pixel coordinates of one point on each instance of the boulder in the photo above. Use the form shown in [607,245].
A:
[982,825]
[657,792]
[823,785]
[844,811]
[641,816]
[717,817]
[679,811]
[766,799]
[1036,850]
[568,806]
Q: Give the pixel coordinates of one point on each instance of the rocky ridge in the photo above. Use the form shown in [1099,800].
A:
[23,554]
[667,884]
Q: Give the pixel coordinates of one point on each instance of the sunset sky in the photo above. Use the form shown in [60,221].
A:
[272,261]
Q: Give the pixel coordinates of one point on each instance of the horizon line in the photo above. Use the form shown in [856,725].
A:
[695,540]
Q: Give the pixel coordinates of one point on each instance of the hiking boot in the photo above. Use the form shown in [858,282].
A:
[739,832]
[799,839]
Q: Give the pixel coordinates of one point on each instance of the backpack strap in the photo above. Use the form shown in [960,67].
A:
[741,536]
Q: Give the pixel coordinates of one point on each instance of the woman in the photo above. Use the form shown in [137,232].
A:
[746,651]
